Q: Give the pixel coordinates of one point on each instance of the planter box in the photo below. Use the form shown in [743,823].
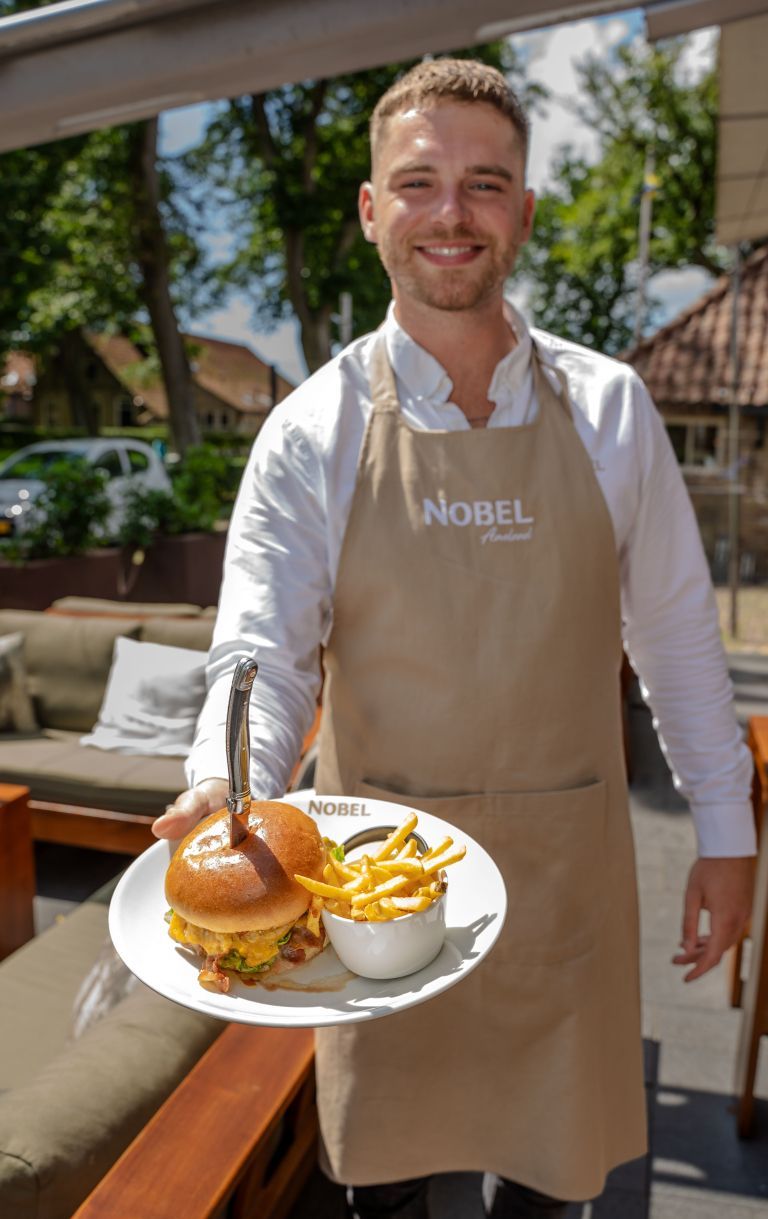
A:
[184,568]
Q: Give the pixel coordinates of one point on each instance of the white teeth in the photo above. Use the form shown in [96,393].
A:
[449,251]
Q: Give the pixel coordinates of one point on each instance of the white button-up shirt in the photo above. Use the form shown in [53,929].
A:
[290,517]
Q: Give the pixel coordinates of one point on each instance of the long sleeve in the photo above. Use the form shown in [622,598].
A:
[673,640]
[275,605]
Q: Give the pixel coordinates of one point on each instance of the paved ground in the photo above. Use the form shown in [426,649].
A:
[696,1168]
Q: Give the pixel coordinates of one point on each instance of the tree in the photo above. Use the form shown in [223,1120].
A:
[286,166]
[92,237]
[580,264]
[154,258]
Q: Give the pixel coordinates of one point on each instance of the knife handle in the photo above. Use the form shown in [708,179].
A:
[238,736]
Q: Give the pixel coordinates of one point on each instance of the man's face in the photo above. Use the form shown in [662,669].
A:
[447,206]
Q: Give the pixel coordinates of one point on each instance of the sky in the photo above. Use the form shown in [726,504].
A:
[551,57]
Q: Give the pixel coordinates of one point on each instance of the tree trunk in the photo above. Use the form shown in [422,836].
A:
[315,330]
[153,258]
[73,357]
[314,324]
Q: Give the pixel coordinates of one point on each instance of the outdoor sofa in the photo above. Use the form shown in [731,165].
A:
[88,1055]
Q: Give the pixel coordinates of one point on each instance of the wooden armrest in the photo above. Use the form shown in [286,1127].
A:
[17,870]
[101,829]
[241,1127]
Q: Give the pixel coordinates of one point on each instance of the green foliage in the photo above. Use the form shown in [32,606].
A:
[147,514]
[195,504]
[581,261]
[70,516]
[70,246]
[198,485]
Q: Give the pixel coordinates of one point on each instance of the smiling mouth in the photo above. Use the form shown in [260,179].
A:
[450,255]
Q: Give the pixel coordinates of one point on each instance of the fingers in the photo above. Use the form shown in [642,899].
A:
[723,887]
[691,914]
[706,951]
[704,955]
[189,808]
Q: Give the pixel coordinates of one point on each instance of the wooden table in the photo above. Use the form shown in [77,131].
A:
[754,994]
[17,869]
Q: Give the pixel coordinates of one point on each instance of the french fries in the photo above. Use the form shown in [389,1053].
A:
[392,881]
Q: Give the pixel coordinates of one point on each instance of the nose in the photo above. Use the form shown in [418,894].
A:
[451,207]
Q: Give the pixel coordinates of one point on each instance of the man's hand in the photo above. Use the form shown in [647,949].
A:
[190,807]
[724,888]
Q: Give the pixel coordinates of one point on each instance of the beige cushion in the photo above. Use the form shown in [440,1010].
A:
[38,990]
[16,711]
[61,1131]
[68,662]
[56,767]
[184,633]
[143,609]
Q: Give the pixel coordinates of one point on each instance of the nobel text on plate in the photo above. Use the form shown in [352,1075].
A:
[338,808]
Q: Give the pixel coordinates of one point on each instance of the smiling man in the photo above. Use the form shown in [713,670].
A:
[472,517]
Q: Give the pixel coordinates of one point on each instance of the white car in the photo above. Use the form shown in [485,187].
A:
[125,464]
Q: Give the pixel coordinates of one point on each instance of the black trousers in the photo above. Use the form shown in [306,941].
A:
[408,1200]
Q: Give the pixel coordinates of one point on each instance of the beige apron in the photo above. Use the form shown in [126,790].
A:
[473,672]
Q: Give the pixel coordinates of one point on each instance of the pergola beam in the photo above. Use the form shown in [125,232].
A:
[73,67]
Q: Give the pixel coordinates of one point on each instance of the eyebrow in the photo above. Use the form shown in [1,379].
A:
[414,169]
[489,171]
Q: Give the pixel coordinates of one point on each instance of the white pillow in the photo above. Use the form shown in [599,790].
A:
[153,698]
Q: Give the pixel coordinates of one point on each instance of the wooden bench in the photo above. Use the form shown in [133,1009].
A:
[239,1131]
[17,869]
[752,995]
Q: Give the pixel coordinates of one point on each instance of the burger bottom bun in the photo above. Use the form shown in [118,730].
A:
[249,887]
[283,965]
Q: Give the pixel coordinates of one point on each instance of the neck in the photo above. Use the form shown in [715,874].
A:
[467,343]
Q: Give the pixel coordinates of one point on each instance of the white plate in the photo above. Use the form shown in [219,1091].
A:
[475,912]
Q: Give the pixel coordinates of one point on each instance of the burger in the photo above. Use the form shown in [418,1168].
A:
[240,907]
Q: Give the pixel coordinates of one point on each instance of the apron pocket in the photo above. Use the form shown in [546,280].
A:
[550,848]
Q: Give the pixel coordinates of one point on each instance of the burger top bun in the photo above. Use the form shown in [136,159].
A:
[249,887]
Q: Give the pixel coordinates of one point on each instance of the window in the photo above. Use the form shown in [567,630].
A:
[698,443]
[139,462]
[110,463]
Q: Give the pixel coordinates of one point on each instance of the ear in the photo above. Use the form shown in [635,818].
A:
[529,207]
[365,211]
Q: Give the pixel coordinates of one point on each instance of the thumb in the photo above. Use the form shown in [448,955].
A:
[190,807]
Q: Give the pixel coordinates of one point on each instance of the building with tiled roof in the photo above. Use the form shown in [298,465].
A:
[688,369]
[17,385]
[234,388]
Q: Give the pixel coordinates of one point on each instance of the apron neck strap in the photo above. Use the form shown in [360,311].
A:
[383,385]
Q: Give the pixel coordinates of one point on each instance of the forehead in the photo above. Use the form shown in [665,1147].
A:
[447,131]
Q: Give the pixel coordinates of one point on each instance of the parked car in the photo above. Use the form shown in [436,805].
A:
[124,463]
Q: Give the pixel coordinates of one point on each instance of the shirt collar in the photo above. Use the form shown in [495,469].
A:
[425,378]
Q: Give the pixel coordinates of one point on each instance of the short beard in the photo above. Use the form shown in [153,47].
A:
[453,293]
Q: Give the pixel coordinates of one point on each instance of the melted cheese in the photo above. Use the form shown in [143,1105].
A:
[255,947]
